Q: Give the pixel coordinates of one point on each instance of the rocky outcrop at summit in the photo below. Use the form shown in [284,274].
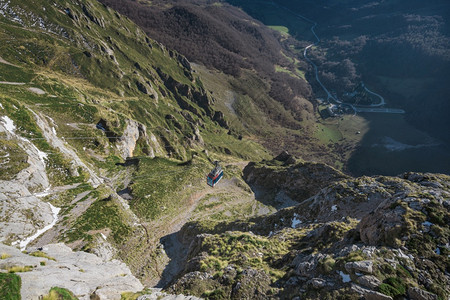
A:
[370,237]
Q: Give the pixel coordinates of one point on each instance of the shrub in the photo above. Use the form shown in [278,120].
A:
[393,287]
[216,294]
[327,264]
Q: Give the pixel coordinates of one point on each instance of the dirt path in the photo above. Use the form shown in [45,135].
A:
[12,83]
[174,248]
[6,62]
[230,198]
[237,194]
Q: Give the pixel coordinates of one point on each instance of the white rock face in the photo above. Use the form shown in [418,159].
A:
[8,124]
[364,266]
[369,294]
[103,249]
[155,147]
[51,137]
[21,212]
[127,143]
[80,272]
[34,176]
[55,210]
[36,90]
[369,281]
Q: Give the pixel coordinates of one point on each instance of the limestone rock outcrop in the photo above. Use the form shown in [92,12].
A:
[297,179]
[82,273]
[378,238]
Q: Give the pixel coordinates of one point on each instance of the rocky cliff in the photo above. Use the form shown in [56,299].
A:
[371,237]
[288,178]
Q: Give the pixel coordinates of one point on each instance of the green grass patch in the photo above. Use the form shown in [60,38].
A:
[24,122]
[60,173]
[58,167]
[57,293]
[215,294]
[300,73]
[284,70]
[218,140]
[207,205]
[42,254]
[297,73]
[327,264]
[281,29]
[67,196]
[18,269]
[355,256]
[11,73]
[13,159]
[327,134]
[243,250]
[134,296]
[158,181]
[100,215]
[10,286]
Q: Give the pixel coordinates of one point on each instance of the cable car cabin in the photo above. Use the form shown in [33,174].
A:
[215,175]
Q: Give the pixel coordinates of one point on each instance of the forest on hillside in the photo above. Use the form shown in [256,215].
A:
[220,37]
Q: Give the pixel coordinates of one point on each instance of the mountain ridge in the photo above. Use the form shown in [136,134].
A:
[359,237]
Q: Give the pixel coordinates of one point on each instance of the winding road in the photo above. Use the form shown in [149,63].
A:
[382,102]
[329,95]
[373,108]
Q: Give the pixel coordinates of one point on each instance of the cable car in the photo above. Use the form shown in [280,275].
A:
[215,175]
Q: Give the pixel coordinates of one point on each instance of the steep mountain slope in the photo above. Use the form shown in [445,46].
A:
[87,101]
[253,71]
